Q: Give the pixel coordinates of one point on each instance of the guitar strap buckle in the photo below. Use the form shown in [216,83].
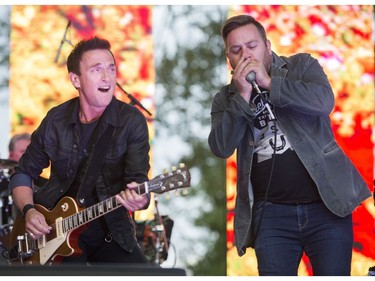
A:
[108,237]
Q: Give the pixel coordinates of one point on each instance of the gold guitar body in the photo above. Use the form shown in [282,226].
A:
[50,247]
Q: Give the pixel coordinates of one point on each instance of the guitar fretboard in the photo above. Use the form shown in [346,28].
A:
[169,181]
[93,212]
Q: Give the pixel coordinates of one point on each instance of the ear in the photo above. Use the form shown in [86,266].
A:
[268,43]
[74,78]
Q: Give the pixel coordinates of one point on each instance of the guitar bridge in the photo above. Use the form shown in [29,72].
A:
[25,247]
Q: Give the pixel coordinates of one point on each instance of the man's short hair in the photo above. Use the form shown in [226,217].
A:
[83,46]
[238,21]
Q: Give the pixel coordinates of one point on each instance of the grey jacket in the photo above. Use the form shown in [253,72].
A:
[303,99]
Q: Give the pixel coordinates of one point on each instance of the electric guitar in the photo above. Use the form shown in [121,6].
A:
[67,216]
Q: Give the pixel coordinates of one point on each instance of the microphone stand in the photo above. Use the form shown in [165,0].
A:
[62,42]
[133,100]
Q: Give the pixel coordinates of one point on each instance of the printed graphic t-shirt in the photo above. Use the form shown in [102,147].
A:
[290,182]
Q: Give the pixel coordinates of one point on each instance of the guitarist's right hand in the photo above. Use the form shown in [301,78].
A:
[36,224]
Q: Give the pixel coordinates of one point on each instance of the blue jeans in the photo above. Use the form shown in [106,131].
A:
[288,230]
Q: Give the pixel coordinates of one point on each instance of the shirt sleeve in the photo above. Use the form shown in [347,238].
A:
[20,180]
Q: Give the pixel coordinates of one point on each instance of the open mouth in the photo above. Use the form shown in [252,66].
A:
[104,89]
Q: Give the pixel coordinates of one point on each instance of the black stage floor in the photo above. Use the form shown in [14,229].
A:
[97,270]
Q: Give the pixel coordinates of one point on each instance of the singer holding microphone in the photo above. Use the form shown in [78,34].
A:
[296,189]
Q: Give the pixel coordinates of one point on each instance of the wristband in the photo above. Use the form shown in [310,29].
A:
[26,208]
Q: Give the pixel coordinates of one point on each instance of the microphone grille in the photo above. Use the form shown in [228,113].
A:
[250,77]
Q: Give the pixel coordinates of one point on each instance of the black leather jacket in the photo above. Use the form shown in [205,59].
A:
[57,141]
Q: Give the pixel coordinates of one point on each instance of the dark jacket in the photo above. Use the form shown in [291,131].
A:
[303,99]
[57,141]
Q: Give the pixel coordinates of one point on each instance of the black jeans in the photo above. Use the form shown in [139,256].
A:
[98,246]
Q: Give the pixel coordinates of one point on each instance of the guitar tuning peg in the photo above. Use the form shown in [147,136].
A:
[165,171]
[185,191]
[176,193]
[181,165]
[174,168]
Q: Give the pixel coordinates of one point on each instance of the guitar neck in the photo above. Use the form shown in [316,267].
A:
[55,244]
[97,210]
[173,180]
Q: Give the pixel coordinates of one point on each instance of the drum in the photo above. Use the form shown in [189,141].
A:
[4,182]
[6,200]
[150,236]
[3,254]
[6,207]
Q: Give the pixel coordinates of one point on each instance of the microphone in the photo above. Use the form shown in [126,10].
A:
[62,42]
[250,77]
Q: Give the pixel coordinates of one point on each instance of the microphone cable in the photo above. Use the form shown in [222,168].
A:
[257,227]
[251,78]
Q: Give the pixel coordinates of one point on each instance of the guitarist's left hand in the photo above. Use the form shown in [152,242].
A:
[130,199]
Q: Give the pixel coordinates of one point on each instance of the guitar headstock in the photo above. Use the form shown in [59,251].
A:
[178,177]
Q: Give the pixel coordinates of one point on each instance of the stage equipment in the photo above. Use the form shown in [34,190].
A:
[154,236]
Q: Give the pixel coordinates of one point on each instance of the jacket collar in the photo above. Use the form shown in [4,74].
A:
[278,68]
[110,114]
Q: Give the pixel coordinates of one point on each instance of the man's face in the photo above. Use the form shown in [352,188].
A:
[19,149]
[245,41]
[97,81]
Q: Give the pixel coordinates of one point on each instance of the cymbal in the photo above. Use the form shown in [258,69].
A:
[7,164]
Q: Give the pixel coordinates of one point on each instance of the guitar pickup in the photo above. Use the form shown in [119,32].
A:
[59,228]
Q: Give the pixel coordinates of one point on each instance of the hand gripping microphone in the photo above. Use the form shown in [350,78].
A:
[250,77]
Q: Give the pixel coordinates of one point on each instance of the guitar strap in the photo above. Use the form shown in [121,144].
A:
[94,165]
